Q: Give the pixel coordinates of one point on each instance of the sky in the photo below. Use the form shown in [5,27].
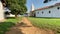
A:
[39,4]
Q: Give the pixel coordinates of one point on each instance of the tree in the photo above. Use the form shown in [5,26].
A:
[16,6]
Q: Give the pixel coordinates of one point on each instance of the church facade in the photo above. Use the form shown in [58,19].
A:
[48,11]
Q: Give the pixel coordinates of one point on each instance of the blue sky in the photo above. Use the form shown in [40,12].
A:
[39,3]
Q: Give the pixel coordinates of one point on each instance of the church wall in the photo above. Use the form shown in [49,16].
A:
[50,12]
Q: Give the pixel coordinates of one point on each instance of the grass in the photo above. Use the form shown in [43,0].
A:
[12,19]
[46,23]
[4,26]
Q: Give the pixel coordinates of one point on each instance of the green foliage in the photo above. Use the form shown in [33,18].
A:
[17,6]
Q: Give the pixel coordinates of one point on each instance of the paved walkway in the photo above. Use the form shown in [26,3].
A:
[25,27]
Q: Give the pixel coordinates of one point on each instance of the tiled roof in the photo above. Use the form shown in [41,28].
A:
[57,4]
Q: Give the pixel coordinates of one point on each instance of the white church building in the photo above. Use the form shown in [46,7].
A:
[48,11]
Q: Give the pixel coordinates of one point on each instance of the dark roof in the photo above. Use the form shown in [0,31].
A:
[57,4]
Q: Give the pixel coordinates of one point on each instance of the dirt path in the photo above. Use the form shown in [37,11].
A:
[25,27]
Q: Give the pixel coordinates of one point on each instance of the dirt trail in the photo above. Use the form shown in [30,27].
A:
[25,27]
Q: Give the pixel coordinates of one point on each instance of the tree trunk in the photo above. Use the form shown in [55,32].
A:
[16,16]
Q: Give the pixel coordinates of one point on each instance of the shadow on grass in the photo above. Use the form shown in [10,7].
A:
[10,17]
[5,27]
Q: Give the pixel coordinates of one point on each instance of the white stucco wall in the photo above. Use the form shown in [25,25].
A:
[1,11]
[54,12]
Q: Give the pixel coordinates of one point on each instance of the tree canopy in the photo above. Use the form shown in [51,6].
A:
[16,6]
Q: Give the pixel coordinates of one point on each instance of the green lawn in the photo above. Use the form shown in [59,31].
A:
[49,23]
[4,26]
[12,19]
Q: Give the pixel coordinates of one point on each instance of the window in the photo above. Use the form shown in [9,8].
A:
[58,8]
[42,12]
[49,11]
